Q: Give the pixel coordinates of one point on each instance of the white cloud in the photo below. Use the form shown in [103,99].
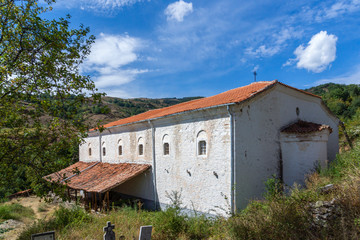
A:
[352,77]
[317,55]
[178,10]
[338,8]
[276,43]
[117,77]
[263,51]
[109,59]
[114,50]
[99,6]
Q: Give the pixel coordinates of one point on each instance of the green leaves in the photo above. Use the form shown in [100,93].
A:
[41,90]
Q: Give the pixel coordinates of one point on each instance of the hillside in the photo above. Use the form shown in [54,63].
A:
[343,100]
[112,108]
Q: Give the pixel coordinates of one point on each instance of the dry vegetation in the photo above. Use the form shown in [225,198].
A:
[279,216]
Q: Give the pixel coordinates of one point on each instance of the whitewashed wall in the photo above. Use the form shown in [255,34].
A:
[129,137]
[301,154]
[258,125]
[203,181]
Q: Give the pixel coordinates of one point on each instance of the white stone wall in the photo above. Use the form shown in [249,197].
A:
[258,125]
[202,180]
[128,136]
[140,186]
[301,154]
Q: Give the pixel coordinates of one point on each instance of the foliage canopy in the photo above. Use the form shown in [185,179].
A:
[41,89]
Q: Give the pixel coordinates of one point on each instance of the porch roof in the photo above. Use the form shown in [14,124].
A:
[97,176]
[305,127]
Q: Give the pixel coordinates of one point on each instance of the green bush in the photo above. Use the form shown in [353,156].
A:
[273,188]
[199,227]
[14,211]
[170,223]
[63,218]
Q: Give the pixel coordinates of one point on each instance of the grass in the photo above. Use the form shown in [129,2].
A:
[43,207]
[15,211]
[64,219]
[279,216]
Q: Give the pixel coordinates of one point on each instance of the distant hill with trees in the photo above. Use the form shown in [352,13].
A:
[112,108]
[343,100]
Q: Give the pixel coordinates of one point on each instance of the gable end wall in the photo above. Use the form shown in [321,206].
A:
[257,136]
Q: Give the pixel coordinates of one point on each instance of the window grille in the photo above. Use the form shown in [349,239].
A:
[120,150]
[141,149]
[202,148]
[166,149]
[104,151]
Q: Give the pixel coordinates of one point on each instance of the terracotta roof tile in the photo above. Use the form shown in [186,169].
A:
[97,176]
[305,127]
[232,96]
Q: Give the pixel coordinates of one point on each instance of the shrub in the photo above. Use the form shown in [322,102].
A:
[15,211]
[273,188]
[63,218]
[170,223]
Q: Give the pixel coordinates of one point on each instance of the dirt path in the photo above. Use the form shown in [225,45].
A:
[41,209]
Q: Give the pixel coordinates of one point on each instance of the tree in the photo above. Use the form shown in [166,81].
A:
[41,89]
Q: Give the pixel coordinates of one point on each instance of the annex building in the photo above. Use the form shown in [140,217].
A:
[215,152]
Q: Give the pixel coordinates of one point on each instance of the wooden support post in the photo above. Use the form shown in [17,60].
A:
[101,201]
[95,203]
[69,194]
[108,199]
[92,200]
[76,195]
[85,200]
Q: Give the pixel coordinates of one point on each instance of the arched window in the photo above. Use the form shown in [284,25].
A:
[89,146]
[120,149]
[103,149]
[141,149]
[202,147]
[166,149]
[201,140]
[141,146]
[166,145]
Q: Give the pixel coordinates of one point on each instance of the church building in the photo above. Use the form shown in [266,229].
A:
[215,153]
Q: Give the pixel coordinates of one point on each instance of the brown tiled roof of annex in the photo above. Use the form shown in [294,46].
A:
[305,127]
[232,96]
[97,176]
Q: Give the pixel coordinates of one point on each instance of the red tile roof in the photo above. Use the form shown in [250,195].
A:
[97,176]
[232,96]
[305,127]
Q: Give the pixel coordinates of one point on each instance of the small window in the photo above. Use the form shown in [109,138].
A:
[141,149]
[104,151]
[202,147]
[89,151]
[120,150]
[166,148]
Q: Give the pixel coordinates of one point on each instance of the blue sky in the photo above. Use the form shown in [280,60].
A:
[153,48]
